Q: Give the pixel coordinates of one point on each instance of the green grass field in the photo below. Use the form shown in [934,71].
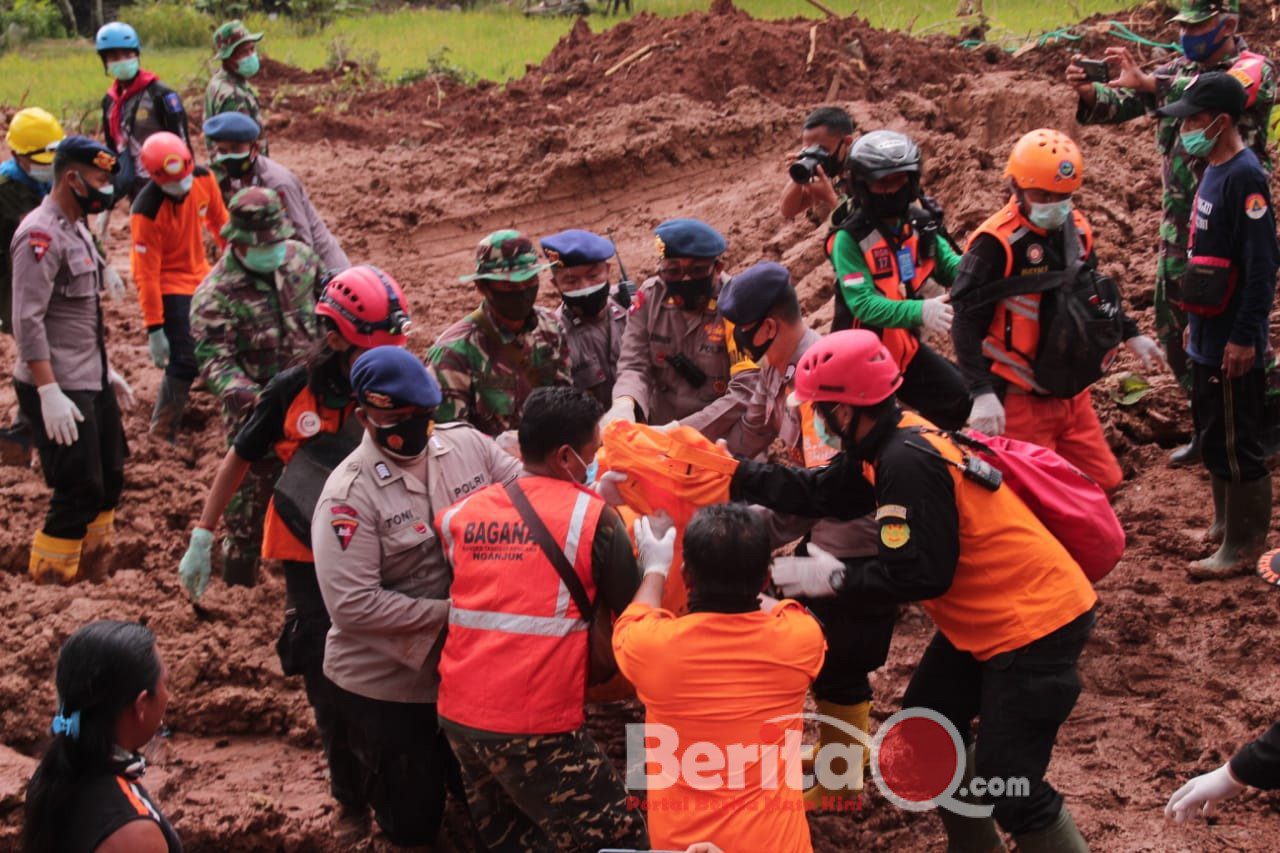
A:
[494,43]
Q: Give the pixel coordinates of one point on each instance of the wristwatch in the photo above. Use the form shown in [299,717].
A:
[837,580]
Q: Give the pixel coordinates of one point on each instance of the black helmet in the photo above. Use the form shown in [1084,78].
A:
[881,153]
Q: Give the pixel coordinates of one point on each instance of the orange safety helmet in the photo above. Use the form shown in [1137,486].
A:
[851,367]
[1046,159]
[367,306]
[167,158]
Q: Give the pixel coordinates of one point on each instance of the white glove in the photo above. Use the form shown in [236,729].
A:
[806,577]
[114,283]
[623,409]
[60,415]
[936,314]
[1202,794]
[656,541]
[1150,352]
[607,487]
[987,414]
[124,394]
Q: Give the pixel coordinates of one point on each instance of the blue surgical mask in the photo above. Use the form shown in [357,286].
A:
[41,173]
[1198,143]
[248,66]
[264,259]
[124,69]
[820,430]
[1049,216]
[1201,47]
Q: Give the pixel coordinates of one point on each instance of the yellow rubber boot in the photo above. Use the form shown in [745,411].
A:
[54,560]
[95,556]
[859,716]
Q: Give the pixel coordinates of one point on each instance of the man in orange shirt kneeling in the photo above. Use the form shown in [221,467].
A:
[723,689]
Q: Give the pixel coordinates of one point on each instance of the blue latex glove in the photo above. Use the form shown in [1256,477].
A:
[197,563]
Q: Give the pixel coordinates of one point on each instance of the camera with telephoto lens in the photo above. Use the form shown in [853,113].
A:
[808,160]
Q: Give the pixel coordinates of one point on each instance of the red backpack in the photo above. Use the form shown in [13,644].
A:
[1073,507]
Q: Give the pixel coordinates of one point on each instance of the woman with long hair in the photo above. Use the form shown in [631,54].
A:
[304,416]
[86,794]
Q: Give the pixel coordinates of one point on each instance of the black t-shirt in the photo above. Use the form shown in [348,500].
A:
[265,426]
[104,804]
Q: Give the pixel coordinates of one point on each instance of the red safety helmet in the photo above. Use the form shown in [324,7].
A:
[367,306]
[851,367]
[167,158]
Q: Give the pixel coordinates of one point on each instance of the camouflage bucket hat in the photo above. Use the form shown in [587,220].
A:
[506,255]
[256,218]
[231,35]
[1198,11]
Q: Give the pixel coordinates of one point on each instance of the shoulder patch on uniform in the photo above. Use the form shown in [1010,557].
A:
[638,302]
[1255,206]
[344,528]
[40,242]
[381,469]
[891,511]
[895,534]
[854,279]
[344,509]
[173,102]
[308,423]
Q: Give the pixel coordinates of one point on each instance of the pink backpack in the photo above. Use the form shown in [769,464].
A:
[1073,507]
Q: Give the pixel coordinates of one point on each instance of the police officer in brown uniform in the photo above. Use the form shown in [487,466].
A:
[385,582]
[593,323]
[65,387]
[678,358]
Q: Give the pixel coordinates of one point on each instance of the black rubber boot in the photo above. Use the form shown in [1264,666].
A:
[1061,836]
[171,402]
[970,834]
[1187,454]
[1245,537]
[1219,527]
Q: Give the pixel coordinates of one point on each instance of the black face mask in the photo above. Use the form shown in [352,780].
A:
[512,306]
[589,305]
[94,200]
[693,294]
[406,439]
[742,338]
[891,205]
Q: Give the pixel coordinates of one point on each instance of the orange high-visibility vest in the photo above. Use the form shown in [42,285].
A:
[1014,581]
[1014,335]
[306,418]
[515,658]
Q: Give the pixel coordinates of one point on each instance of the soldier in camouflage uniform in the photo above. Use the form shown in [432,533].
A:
[251,318]
[229,89]
[491,360]
[1210,43]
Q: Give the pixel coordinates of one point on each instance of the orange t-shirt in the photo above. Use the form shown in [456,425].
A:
[167,256]
[718,679]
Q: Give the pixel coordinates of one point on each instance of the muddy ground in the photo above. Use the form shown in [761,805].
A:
[1177,673]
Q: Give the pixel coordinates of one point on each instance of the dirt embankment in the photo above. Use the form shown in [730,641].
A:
[700,123]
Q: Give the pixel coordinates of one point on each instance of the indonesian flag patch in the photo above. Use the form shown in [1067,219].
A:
[854,279]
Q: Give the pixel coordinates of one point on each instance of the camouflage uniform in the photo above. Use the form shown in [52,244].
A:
[228,91]
[248,328]
[485,371]
[494,770]
[1181,174]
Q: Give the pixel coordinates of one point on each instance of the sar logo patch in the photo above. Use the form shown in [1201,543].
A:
[895,534]
[1066,169]
[344,528]
[1035,253]
[308,424]
[1255,206]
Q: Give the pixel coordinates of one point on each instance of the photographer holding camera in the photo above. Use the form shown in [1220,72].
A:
[812,176]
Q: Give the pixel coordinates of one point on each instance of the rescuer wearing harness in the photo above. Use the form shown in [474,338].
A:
[385,582]
[1037,248]
[884,247]
[306,416]
[1012,608]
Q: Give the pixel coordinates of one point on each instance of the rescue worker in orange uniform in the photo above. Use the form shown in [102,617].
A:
[169,262]
[884,247]
[514,668]
[305,415]
[1012,608]
[997,339]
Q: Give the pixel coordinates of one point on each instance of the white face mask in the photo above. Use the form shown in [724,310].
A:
[1051,215]
[41,173]
[178,189]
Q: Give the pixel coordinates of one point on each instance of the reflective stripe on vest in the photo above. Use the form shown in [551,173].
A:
[901,343]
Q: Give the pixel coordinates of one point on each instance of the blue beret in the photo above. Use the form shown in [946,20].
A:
[232,127]
[392,378]
[748,296]
[90,152]
[688,238]
[576,248]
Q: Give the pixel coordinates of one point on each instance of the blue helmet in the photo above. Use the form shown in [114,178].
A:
[116,36]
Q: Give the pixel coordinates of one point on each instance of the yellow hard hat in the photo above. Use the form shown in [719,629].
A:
[32,132]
